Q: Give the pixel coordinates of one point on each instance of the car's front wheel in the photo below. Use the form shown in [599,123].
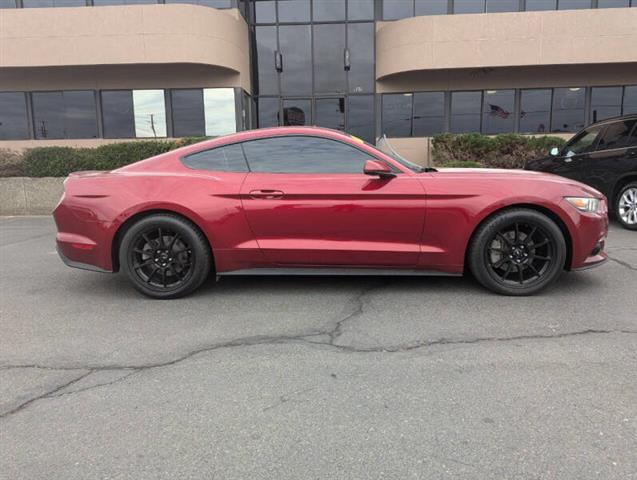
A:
[626,206]
[165,256]
[517,252]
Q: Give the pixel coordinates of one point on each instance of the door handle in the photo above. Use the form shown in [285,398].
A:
[266,194]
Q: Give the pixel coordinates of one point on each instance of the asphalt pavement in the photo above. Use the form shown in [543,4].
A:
[313,377]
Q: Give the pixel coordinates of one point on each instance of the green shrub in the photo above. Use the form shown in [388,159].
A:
[461,164]
[500,151]
[60,161]
[11,163]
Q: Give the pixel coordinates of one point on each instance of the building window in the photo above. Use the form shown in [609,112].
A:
[535,110]
[497,112]
[296,52]
[360,117]
[118,119]
[328,11]
[221,4]
[465,112]
[53,3]
[396,114]
[360,42]
[266,40]
[429,114]
[150,113]
[330,113]
[568,109]
[536,5]
[360,9]
[219,111]
[606,102]
[468,6]
[397,9]
[329,48]
[265,11]
[7,4]
[494,6]
[430,7]
[70,114]
[14,124]
[268,112]
[573,4]
[297,112]
[613,3]
[294,10]
[188,113]
[229,158]
[99,3]
[630,100]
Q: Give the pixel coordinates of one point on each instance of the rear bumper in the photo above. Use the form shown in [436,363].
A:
[82,266]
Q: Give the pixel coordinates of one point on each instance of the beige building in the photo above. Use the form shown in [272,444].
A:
[85,72]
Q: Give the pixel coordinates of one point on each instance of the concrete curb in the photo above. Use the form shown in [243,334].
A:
[30,196]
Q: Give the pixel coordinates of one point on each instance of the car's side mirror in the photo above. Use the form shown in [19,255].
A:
[554,152]
[379,169]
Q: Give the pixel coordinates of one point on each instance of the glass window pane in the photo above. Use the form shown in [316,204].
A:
[465,111]
[207,3]
[266,71]
[360,117]
[294,10]
[150,113]
[431,7]
[297,112]
[329,45]
[268,112]
[497,112]
[360,38]
[429,113]
[297,154]
[535,110]
[630,99]
[573,4]
[187,110]
[606,102]
[396,114]
[503,6]
[13,116]
[616,135]
[99,3]
[219,108]
[294,42]
[330,113]
[222,159]
[535,5]
[70,114]
[327,10]
[568,109]
[117,114]
[468,6]
[613,3]
[265,11]
[360,9]
[53,3]
[396,9]
[7,4]
[584,142]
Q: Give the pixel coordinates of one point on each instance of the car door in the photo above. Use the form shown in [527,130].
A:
[309,203]
[573,159]
[614,156]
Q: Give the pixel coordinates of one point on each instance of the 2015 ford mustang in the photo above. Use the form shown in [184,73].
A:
[305,200]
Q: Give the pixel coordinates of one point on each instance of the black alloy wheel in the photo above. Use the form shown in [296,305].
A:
[165,256]
[517,252]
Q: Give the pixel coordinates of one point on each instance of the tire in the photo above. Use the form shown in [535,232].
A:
[165,256]
[626,206]
[517,252]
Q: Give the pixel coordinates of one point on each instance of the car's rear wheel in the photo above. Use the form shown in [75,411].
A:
[517,252]
[626,206]
[165,256]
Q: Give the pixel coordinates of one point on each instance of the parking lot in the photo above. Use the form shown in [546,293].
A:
[295,378]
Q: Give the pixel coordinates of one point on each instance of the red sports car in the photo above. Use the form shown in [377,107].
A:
[304,200]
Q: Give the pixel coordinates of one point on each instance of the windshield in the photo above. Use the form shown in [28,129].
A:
[385,147]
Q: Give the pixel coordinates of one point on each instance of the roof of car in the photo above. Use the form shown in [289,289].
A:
[619,118]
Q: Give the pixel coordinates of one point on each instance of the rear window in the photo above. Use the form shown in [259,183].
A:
[221,159]
[616,135]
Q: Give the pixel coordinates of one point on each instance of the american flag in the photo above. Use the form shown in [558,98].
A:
[498,111]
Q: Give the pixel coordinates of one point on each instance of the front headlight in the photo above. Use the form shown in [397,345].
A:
[584,204]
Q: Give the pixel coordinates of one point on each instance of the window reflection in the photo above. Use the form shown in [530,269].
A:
[535,110]
[430,7]
[329,45]
[70,114]
[606,102]
[297,112]
[568,109]
[397,9]
[330,113]
[13,116]
[188,113]
[219,108]
[117,114]
[465,112]
[266,47]
[150,113]
[396,114]
[573,4]
[98,3]
[503,6]
[265,11]
[294,42]
[53,3]
[497,116]
[630,99]
[268,112]
[294,10]
[360,9]
[613,3]
[536,5]
[468,6]
[429,113]
[360,117]
[360,38]
[328,10]
[7,4]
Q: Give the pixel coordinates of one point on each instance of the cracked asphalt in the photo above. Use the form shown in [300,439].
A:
[290,378]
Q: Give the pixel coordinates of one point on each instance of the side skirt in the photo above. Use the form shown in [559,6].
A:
[339,271]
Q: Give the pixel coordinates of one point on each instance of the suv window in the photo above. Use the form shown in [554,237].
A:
[299,154]
[221,159]
[582,143]
[616,135]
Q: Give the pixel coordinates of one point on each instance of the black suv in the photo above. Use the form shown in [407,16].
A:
[604,156]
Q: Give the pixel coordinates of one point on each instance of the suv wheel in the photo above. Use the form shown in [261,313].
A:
[626,206]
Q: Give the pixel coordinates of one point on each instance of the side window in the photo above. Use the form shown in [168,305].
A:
[298,154]
[582,143]
[617,135]
[221,159]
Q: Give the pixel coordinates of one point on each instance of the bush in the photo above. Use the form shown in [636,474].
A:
[60,161]
[461,164]
[10,163]
[500,151]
